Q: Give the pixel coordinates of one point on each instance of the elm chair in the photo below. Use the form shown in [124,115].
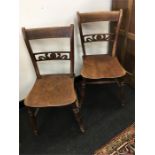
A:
[51,90]
[101,68]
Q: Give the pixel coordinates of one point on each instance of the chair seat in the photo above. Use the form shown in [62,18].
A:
[101,66]
[52,90]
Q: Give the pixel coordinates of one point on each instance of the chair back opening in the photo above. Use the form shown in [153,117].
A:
[94,17]
[39,35]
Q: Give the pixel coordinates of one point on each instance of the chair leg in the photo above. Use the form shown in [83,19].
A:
[83,85]
[76,112]
[121,85]
[122,94]
[32,120]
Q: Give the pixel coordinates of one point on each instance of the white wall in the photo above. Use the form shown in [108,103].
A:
[46,13]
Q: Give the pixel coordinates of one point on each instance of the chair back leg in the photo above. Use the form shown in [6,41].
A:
[32,120]
[122,94]
[121,84]
[83,86]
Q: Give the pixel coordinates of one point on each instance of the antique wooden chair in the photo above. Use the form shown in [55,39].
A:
[101,68]
[52,90]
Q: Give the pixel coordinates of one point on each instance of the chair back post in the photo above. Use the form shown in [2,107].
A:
[117,33]
[81,34]
[31,52]
[72,51]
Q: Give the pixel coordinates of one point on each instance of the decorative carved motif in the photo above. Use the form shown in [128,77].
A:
[99,37]
[52,56]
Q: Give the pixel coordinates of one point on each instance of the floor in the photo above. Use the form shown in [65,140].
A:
[59,134]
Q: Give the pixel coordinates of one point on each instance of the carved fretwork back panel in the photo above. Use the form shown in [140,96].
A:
[52,55]
[112,37]
[47,33]
[99,37]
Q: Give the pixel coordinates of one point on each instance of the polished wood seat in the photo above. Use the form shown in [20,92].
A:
[101,66]
[54,90]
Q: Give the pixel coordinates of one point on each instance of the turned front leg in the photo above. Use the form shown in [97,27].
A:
[77,115]
[32,120]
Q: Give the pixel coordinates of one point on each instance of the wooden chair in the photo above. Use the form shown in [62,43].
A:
[101,68]
[53,90]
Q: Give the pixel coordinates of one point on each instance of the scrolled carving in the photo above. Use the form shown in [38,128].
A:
[99,37]
[52,56]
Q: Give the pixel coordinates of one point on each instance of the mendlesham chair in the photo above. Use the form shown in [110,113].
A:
[52,90]
[101,68]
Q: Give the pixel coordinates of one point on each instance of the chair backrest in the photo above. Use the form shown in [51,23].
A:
[46,33]
[114,16]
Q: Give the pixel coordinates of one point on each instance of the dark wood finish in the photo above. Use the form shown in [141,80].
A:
[42,56]
[53,90]
[127,24]
[30,52]
[32,120]
[54,32]
[83,85]
[72,51]
[126,46]
[98,37]
[117,33]
[103,68]
[130,35]
[76,111]
[100,16]
[21,104]
[42,33]
[121,93]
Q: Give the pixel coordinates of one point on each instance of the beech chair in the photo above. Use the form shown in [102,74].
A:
[52,90]
[101,68]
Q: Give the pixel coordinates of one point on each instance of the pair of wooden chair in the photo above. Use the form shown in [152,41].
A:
[57,90]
